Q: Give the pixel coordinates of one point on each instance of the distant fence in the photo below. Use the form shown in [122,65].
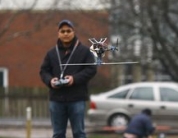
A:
[13,102]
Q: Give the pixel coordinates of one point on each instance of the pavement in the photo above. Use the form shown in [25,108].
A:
[19,128]
[41,128]
[22,133]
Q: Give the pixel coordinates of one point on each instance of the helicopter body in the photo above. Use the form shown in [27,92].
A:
[98,49]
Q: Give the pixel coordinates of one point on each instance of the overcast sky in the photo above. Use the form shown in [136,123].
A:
[48,4]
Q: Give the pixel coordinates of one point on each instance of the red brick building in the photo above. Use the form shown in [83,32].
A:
[26,36]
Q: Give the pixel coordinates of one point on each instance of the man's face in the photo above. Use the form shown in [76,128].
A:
[66,34]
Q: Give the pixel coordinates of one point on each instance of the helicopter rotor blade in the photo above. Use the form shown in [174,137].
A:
[120,63]
[93,40]
[102,40]
[79,64]
[103,63]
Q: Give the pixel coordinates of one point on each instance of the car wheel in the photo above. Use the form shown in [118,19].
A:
[118,120]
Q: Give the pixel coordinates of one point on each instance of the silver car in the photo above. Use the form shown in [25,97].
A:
[116,107]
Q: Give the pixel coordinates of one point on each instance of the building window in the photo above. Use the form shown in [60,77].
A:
[3,77]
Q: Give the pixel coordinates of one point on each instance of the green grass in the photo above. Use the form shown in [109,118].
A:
[104,136]
[119,136]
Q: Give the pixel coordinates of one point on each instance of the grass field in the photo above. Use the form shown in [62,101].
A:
[47,133]
[118,136]
[113,136]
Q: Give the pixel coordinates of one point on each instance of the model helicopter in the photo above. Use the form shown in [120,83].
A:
[98,48]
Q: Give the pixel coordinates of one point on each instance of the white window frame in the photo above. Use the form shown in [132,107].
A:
[5,76]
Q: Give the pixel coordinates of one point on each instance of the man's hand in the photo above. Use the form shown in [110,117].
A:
[70,78]
[150,136]
[53,80]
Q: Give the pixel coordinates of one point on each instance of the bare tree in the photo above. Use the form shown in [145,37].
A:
[12,15]
[54,7]
[151,23]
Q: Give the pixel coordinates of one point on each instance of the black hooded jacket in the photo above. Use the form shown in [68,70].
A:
[50,68]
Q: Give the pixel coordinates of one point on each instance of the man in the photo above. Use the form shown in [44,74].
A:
[140,126]
[67,83]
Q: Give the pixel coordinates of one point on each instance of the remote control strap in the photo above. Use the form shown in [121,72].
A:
[63,67]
